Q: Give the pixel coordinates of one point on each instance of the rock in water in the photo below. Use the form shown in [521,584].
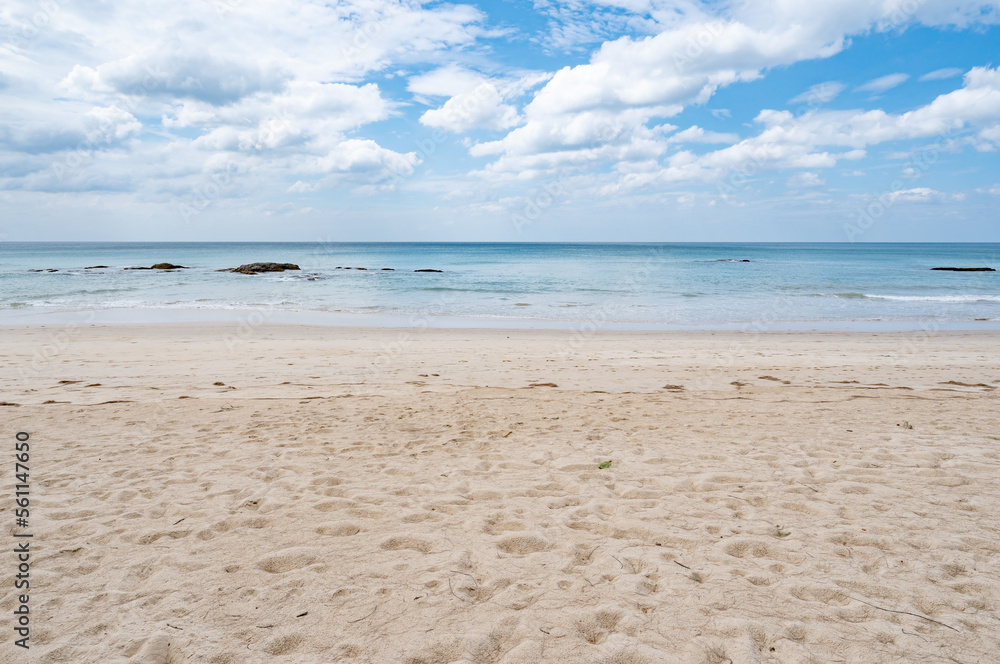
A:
[965,269]
[257,268]
[158,266]
[428,270]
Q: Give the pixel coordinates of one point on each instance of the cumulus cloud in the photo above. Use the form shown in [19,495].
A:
[698,135]
[298,98]
[100,128]
[263,89]
[481,107]
[821,139]
[629,82]
[475,100]
[803,180]
[199,76]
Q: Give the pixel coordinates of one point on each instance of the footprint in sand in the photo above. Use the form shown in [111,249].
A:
[404,542]
[287,560]
[523,544]
[341,529]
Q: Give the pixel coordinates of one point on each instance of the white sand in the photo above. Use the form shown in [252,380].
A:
[348,503]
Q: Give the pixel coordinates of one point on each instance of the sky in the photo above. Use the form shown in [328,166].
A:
[515,120]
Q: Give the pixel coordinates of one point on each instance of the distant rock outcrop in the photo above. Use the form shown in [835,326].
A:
[257,268]
[428,270]
[95,267]
[965,269]
[157,266]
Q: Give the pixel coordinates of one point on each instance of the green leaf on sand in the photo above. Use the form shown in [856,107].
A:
[606,464]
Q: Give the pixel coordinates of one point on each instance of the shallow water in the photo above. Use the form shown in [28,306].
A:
[643,285]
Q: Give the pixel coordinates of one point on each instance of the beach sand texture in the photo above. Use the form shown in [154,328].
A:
[301,494]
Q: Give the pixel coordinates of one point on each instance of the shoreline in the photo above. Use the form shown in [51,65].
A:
[315,318]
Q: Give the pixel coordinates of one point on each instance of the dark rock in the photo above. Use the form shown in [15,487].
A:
[388,269]
[257,268]
[360,268]
[965,269]
[158,266]
[36,270]
[52,270]
[428,270]
[95,267]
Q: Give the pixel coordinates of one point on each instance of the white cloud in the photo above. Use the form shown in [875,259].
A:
[820,93]
[916,195]
[99,128]
[942,74]
[883,83]
[629,82]
[267,90]
[476,101]
[988,139]
[698,135]
[806,179]
[162,97]
[445,81]
[821,139]
[197,76]
[481,107]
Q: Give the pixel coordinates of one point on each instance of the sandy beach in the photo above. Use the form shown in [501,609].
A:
[224,494]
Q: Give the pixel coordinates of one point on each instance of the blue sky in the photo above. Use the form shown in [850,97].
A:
[605,120]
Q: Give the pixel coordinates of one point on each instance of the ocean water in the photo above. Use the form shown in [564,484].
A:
[535,285]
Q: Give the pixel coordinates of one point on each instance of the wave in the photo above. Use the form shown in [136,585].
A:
[956,299]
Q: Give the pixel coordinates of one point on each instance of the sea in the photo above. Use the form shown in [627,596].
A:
[615,286]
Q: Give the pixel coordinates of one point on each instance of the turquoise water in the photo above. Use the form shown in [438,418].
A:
[642,284]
